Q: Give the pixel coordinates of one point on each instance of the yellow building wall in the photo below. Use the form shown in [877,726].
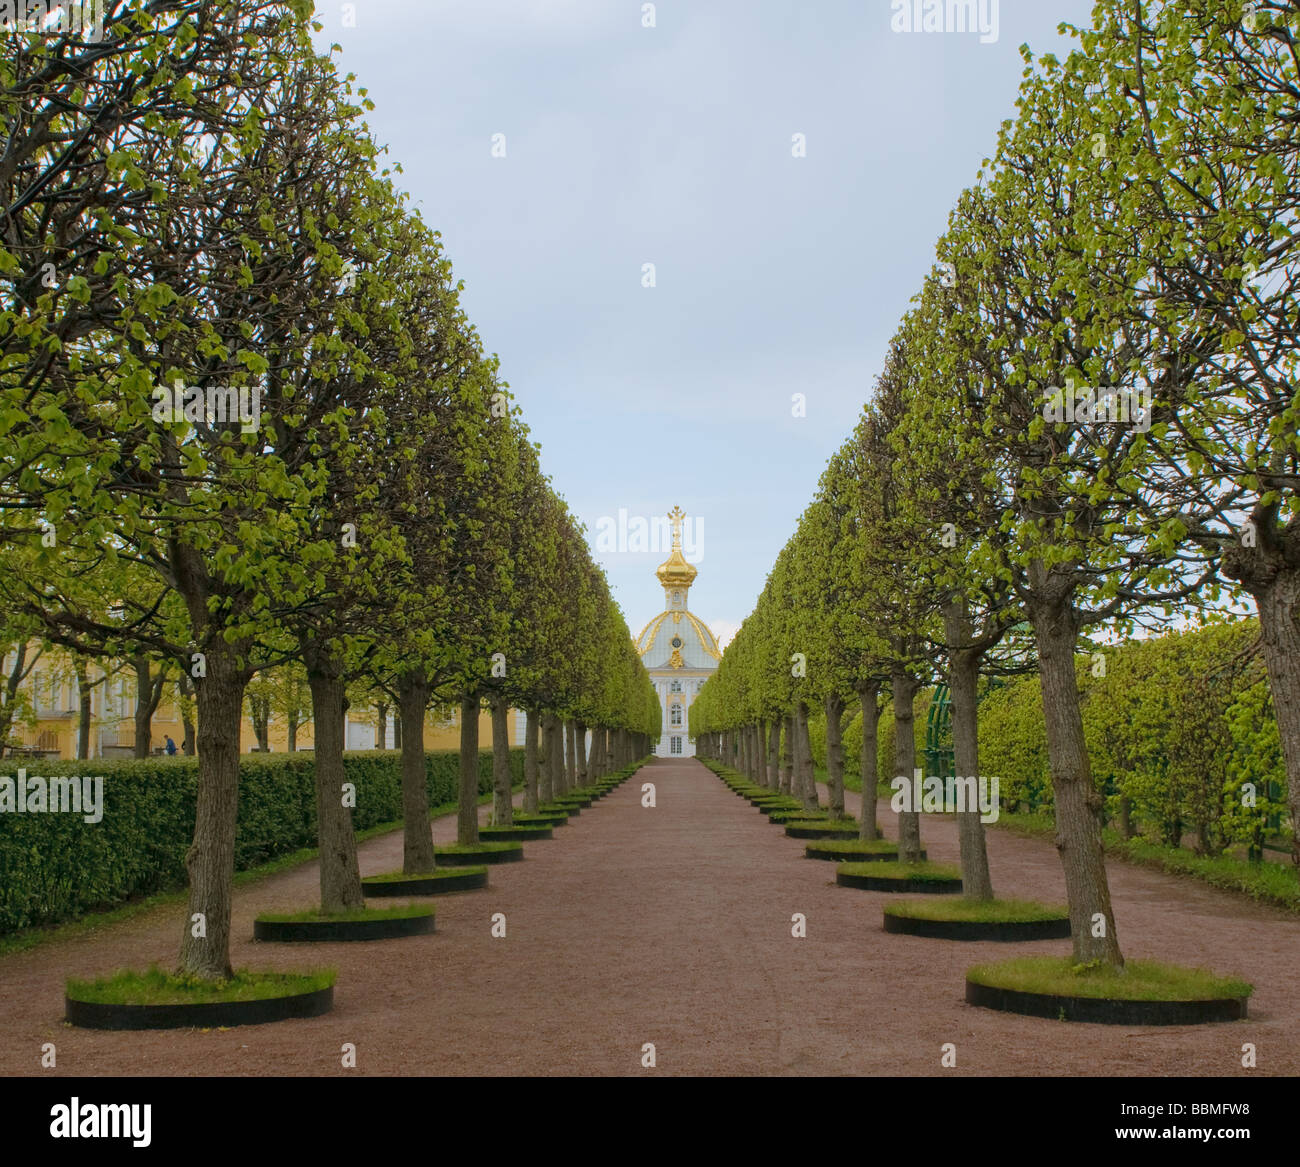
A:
[441,728]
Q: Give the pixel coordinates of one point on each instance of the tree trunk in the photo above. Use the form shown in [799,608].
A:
[593,755]
[260,710]
[557,754]
[580,742]
[381,725]
[147,694]
[503,811]
[84,697]
[787,757]
[210,859]
[963,681]
[22,666]
[868,758]
[571,755]
[806,778]
[546,779]
[340,875]
[417,831]
[1279,624]
[1078,803]
[467,816]
[905,689]
[834,706]
[397,732]
[185,693]
[291,730]
[531,799]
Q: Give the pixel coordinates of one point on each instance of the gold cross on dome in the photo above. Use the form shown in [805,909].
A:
[675,516]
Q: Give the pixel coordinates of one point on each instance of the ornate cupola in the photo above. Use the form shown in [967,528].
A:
[675,573]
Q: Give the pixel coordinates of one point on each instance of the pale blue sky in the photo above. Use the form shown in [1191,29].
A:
[671,145]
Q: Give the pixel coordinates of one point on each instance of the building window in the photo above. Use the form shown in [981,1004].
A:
[675,687]
[675,715]
[676,746]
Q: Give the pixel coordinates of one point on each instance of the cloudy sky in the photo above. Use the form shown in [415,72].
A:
[560,146]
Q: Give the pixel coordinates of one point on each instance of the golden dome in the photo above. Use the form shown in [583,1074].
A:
[675,572]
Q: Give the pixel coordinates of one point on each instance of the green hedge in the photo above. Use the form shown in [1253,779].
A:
[56,866]
[1176,726]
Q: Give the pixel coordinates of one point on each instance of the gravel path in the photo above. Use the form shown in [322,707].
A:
[672,925]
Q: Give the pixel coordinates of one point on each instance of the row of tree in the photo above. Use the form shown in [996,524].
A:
[245,421]
[1086,425]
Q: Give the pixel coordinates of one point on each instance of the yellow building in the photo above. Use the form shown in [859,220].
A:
[47,717]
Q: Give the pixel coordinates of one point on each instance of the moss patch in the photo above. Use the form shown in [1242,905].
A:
[1141,980]
[858,846]
[441,873]
[156,987]
[921,872]
[977,911]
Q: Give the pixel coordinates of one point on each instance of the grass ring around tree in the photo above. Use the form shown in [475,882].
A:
[523,832]
[160,1000]
[827,829]
[854,850]
[926,878]
[363,924]
[781,817]
[471,855]
[430,883]
[952,918]
[1145,993]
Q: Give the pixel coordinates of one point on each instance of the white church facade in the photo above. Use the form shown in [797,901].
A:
[677,648]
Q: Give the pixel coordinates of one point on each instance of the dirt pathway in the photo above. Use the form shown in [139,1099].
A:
[672,926]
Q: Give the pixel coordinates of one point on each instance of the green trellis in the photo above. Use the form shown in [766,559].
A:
[938,730]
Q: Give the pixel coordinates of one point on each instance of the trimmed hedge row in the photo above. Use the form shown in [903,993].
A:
[57,866]
[1176,726]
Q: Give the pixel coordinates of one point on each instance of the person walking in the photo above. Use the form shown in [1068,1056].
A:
[171,747]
